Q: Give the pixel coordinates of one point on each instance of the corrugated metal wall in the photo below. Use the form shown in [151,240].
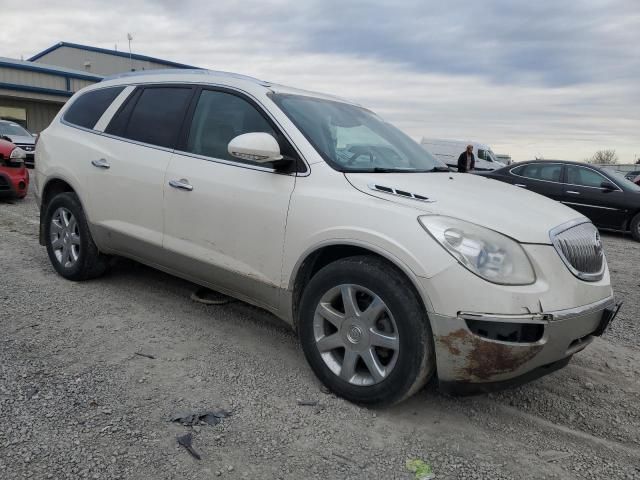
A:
[39,114]
[34,79]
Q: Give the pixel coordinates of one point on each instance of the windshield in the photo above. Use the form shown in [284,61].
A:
[7,128]
[622,181]
[353,139]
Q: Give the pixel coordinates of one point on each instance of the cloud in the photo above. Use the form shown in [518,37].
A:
[557,79]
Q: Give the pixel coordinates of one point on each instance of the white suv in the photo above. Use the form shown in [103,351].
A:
[389,267]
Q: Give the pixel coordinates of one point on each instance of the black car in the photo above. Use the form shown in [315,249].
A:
[608,199]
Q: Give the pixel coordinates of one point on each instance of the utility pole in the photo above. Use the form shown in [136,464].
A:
[129,37]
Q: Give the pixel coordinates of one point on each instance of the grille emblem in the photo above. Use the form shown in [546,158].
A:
[597,247]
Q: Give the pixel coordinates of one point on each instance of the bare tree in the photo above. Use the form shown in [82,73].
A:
[604,157]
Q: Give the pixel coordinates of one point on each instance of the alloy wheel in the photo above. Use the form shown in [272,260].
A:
[356,334]
[65,237]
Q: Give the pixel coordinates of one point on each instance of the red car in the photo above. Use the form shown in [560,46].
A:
[14,177]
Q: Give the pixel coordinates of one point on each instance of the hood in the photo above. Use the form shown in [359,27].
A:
[512,211]
[23,139]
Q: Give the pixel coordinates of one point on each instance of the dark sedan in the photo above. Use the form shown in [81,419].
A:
[606,197]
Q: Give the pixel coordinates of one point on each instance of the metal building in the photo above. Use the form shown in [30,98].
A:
[33,91]
[99,61]
[31,94]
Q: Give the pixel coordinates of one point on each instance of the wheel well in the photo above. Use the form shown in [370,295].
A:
[323,257]
[51,189]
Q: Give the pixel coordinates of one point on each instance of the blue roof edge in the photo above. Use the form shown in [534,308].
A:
[135,56]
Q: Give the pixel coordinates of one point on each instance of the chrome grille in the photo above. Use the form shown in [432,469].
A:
[580,247]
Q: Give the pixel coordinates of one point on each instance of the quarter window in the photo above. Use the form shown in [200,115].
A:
[156,117]
[87,109]
[584,177]
[218,118]
[538,171]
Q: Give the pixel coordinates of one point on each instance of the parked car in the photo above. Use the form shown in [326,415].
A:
[448,151]
[604,196]
[21,137]
[388,273]
[14,177]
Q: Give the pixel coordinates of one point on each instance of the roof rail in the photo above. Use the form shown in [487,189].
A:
[187,71]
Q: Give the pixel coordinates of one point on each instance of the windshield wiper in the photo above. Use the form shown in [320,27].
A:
[440,169]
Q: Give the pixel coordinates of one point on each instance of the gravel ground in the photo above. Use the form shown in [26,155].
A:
[76,401]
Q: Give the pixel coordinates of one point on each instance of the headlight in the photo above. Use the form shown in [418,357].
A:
[17,154]
[487,253]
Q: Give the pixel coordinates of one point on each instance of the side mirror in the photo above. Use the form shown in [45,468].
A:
[256,146]
[606,185]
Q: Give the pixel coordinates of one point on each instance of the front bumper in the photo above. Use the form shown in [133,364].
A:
[13,184]
[481,352]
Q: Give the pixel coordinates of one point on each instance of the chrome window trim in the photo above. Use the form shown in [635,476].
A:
[554,232]
[618,189]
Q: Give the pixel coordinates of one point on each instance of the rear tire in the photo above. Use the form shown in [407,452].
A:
[635,227]
[70,246]
[375,349]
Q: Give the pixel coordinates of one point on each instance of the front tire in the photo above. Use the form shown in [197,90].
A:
[635,227]
[70,246]
[365,332]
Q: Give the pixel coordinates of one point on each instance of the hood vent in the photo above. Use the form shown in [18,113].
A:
[400,193]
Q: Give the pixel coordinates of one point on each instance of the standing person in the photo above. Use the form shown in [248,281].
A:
[466,160]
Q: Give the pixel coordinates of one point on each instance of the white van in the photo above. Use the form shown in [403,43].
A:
[448,151]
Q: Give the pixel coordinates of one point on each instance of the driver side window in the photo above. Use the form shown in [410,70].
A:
[218,118]
[584,177]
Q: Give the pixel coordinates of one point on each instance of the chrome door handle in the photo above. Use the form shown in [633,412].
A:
[520,185]
[573,192]
[182,184]
[102,163]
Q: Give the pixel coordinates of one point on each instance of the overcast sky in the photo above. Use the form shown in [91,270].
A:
[559,79]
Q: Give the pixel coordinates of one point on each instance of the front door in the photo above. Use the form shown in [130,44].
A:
[225,218]
[583,191]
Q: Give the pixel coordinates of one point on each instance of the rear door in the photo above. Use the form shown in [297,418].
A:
[225,217]
[542,178]
[127,172]
[583,192]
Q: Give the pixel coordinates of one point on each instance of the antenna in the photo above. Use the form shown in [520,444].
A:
[130,37]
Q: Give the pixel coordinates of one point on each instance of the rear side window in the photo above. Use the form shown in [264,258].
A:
[535,171]
[87,109]
[155,118]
